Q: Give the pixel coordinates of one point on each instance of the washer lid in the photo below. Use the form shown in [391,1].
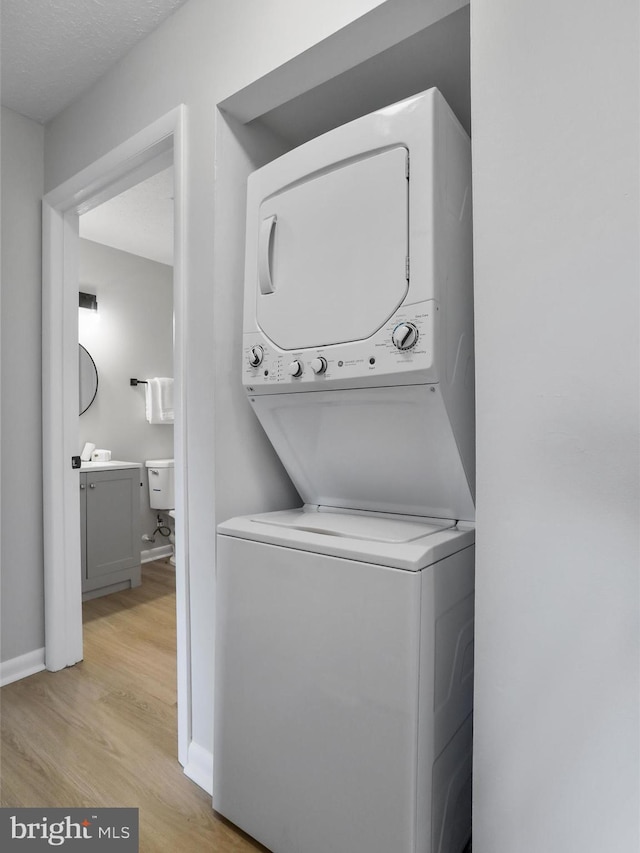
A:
[332,250]
[354,526]
[382,450]
[396,543]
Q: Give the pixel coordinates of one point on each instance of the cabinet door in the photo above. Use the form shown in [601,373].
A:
[83,525]
[113,521]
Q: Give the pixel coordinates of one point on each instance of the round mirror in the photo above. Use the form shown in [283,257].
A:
[88,380]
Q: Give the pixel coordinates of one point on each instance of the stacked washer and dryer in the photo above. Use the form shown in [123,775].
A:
[344,660]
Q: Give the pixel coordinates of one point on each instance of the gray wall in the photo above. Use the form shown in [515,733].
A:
[555,154]
[22,181]
[131,334]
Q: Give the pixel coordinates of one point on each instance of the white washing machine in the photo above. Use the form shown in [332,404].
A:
[344,660]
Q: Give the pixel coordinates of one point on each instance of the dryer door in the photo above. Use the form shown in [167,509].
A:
[332,252]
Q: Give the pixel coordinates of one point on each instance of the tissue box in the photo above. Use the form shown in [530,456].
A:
[101,456]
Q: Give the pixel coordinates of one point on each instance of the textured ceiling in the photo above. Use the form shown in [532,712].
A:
[53,50]
[139,221]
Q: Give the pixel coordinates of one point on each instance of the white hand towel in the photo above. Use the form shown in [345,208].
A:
[166,400]
[159,400]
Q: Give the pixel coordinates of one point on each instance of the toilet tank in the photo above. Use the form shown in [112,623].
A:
[160,474]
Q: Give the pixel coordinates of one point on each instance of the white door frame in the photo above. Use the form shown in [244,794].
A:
[155,147]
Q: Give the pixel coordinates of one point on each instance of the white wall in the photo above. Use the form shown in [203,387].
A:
[555,153]
[22,181]
[206,51]
[131,335]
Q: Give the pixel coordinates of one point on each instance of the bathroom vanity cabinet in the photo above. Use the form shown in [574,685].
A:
[110,527]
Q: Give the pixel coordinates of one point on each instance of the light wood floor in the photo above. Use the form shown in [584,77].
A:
[103,733]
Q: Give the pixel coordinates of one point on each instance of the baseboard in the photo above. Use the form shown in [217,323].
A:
[199,766]
[21,667]
[156,553]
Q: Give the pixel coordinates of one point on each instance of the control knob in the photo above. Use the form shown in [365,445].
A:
[319,365]
[404,336]
[256,354]
[295,368]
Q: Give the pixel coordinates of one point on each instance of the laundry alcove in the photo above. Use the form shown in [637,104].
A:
[383,57]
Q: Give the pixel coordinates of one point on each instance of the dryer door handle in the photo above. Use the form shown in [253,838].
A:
[265,244]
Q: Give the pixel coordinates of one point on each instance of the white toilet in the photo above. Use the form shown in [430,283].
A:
[160,474]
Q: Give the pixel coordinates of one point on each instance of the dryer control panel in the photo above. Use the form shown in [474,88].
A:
[401,352]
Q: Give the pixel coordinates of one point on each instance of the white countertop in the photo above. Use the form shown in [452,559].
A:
[108,466]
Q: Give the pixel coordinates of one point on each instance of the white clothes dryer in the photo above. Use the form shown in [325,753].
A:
[358,312]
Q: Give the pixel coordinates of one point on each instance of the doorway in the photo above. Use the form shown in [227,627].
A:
[126,271]
[153,149]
